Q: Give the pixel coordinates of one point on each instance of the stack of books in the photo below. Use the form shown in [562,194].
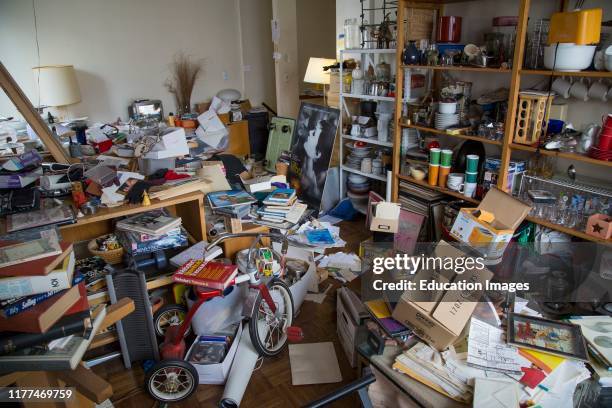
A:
[280,207]
[150,232]
[231,203]
[43,304]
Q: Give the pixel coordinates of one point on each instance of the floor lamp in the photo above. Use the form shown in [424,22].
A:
[315,73]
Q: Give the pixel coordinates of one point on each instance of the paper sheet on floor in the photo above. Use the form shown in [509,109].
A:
[317,297]
[314,363]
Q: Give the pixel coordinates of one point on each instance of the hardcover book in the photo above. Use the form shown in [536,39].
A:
[152,222]
[214,275]
[21,252]
[57,215]
[40,266]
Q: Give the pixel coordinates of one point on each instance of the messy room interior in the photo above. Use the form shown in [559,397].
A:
[306,203]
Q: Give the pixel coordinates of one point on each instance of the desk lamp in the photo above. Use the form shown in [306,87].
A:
[316,75]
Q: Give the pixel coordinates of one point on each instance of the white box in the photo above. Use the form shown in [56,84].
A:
[217,373]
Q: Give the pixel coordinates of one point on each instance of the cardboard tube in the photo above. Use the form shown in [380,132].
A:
[241,371]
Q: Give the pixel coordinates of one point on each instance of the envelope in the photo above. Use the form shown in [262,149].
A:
[495,393]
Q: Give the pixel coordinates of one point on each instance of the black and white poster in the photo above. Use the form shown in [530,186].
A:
[311,150]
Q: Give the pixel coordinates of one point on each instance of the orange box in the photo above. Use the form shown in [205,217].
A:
[580,27]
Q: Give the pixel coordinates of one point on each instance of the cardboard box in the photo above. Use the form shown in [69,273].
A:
[386,217]
[490,238]
[439,318]
[260,183]
[217,373]
[350,332]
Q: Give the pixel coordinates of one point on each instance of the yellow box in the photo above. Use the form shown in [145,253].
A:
[579,27]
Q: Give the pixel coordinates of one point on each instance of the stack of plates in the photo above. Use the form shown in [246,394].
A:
[446,120]
[359,151]
[358,184]
[353,162]
[597,153]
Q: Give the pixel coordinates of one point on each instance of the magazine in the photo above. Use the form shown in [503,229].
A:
[230,198]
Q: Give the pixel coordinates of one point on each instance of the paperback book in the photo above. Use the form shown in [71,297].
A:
[153,222]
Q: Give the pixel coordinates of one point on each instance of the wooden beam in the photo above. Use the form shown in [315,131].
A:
[29,113]
[515,85]
[399,96]
[117,311]
[87,383]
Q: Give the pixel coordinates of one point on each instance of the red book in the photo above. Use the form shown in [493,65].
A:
[40,318]
[214,275]
[41,266]
[82,304]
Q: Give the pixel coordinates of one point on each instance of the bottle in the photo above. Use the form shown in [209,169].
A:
[171,119]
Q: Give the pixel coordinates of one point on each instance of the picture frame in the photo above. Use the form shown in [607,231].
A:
[549,336]
[312,145]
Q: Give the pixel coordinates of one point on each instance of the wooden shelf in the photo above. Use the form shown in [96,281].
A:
[461,68]
[592,74]
[445,133]
[369,51]
[437,188]
[369,97]
[569,156]
[569,231]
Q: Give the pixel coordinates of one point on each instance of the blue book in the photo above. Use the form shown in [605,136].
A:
[229,198]
[280,196]
[319,236]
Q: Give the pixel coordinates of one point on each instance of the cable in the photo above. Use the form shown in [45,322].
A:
[37,50]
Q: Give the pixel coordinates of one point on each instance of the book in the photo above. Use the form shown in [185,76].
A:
[56,215]
[229,198]
[319,236]
[214,275]
[66,357]
[60,278]
[239,211]
[280,195]
[40,318]
[152,222]
[381,313]
[129,241]
[40,266]
[195,252]
[14,306]
[18,253]
[77,323]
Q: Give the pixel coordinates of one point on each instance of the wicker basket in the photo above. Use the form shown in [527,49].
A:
[114,256]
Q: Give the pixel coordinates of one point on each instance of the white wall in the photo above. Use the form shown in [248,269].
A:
[316,30]
[122,49]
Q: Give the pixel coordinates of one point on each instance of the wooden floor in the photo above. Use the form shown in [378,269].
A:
[270,385]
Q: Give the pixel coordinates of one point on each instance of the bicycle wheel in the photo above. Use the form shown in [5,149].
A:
[268,330]
[169,315]
[172,380]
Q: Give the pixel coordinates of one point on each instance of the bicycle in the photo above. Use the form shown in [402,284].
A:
[269,306]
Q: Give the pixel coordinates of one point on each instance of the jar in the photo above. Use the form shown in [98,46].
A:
[235,113]
[352,34]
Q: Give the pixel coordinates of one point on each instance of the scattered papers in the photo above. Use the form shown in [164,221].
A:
[495,393]
[342,266]
[317,297]
[314,363]
[211,130]
[300,236]
[487,349]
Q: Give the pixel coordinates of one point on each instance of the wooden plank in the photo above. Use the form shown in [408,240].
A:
[569,231]
[438,188]
[117,311]
[103,339]
[515,84]
[29,113]
[445,133]
[33,379]
[461,68]
[87,383]
[588,74]
[231,246]
[399,97]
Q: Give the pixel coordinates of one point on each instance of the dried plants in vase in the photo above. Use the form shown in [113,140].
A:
[185,72]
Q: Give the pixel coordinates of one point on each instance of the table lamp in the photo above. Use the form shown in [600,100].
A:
[316,75]
[57,86]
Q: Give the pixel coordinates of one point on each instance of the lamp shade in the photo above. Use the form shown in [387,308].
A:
[58,85]
[314,71]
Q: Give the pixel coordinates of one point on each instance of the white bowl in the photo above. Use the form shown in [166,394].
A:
[608,62]
[447,107]
[570,57]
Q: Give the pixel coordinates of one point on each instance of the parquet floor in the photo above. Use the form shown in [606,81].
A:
[270,385]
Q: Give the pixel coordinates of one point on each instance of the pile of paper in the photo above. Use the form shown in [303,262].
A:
[307,229]
[342,266]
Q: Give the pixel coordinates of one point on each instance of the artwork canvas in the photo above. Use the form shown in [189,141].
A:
[598,333]
[311,150]
[550,336]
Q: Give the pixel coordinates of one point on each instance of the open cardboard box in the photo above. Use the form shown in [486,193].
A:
[386,217]
[260,183]
[490,236]
[440,317]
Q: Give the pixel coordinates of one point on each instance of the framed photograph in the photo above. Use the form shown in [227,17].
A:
[549,336]
[311,150]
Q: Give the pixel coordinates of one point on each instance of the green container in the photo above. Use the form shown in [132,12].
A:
[446,157]
[472,163]
[471,177]
[434,156]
